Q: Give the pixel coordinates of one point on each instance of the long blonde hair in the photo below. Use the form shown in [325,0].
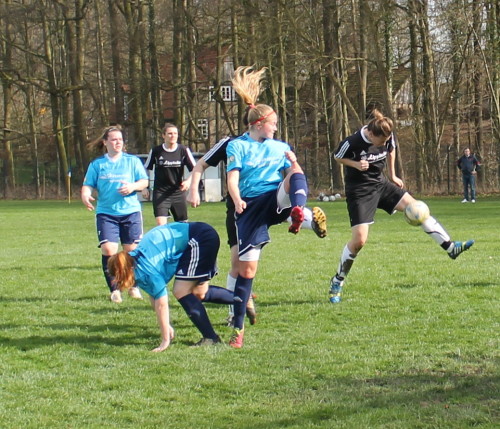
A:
[121,267]
[97,145]
[380,125]
[247,83]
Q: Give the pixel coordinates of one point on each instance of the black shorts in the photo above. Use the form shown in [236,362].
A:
[170,202]
[363,201]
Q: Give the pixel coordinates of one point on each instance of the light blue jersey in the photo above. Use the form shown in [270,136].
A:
[157,257]
[261,164]
[106,176]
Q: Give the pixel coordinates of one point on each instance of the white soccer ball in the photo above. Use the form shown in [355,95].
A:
[325,199]
[337,196]
[332,198]
[416,213]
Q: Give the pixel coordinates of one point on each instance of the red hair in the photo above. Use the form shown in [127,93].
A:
[121,266]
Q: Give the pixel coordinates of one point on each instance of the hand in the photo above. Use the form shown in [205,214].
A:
[184,186]
[145,193]
[363,165]
[193,198]
[291,156]
[165,343]
[126,189]
[240,206]
[398,182]
[87,201]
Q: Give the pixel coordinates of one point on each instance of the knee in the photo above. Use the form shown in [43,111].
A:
[357,245]
[200,294]
[247,272]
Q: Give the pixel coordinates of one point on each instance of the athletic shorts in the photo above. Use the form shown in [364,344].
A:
[363,202]
[232,237]
[174,203]
[199,260]
[125,229]
[252,226]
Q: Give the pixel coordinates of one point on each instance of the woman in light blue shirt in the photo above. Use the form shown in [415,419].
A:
[116,176]
[186,251]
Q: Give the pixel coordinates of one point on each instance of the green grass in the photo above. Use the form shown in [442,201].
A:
[414,344]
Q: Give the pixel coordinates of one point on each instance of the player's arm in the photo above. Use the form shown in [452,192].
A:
[189,162]
[361,165]
[233,180]
[163,317]
[193,196]
[87,198]
[391,165]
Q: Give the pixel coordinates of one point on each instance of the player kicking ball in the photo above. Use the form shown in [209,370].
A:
[364,156]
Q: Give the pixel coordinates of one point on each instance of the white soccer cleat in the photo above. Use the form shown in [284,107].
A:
[135,293]
[116,297]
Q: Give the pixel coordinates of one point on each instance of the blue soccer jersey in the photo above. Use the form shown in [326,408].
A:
[107,176]
[261,164]
[157,257]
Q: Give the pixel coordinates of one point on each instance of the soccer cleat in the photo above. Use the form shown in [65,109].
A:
[319,222]
[207,342]
[250,310]
[473,201]
[335,290]
[460,247]
[135,293]
[464,200]
[116,296]
[236,340]
[297,216]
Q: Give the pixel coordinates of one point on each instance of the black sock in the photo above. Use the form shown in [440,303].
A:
[219,295]
[198,315]
[107,276]
[242,291]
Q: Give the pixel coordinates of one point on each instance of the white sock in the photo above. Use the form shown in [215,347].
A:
[432,227]
[230,284]
[346,261]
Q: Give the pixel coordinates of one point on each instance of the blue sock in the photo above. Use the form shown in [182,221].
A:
[242,291]
[109,279]
[298,190]
[219,295]
[198,315]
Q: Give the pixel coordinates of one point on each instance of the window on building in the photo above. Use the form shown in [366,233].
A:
[203,127]
[227,93]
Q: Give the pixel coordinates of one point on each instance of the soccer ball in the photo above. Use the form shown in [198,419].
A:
[337,196]
[325,199]
[332,197]
[416,213]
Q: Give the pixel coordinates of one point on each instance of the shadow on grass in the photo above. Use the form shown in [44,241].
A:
[458,400]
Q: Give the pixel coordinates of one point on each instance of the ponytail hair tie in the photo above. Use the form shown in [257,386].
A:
[252,106]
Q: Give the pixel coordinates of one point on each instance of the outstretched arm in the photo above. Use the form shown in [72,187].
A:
[163,317]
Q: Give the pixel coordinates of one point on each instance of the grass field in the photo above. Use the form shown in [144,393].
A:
[414,344]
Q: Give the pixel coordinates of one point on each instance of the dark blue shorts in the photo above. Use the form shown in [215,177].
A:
[199,260]
[125,229]
[363,202]
[252,226]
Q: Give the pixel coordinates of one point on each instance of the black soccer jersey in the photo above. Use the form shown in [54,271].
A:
[217,152]
[357,147]
[169,166]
